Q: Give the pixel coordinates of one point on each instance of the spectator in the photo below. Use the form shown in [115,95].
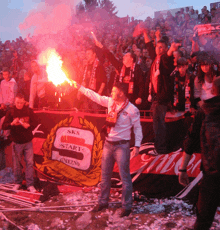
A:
[204,78]
[207,124]
[94,78]
[146,63]
[160,91]
[193,15]
[138,56]
[214,16]
[38,87]
[16,65]
[177,54]
[130,73]
[118,36]
[116,147]
[187,10]
[20,120]
[183,86]
[8,89]
[25,87]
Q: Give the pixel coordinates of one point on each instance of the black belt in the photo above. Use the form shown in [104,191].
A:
[118,142]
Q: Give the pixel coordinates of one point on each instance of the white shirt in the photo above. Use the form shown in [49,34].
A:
[37,87]
[128,118]
[206,91]
[8,91]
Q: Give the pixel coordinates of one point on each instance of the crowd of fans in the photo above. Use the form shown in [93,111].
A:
[164,62]
[117,36]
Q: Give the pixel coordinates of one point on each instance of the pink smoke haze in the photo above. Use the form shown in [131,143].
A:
[47,20]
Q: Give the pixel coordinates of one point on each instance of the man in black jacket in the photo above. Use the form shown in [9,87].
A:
[160,87]
[20,121]
[129,72]
[206,129]
[94,78]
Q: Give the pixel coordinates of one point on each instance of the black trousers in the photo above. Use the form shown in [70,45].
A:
[208,201]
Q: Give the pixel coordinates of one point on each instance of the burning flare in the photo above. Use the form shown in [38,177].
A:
[54,68]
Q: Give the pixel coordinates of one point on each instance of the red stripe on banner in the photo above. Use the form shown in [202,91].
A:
[75,140]
[165,164]
[37,145]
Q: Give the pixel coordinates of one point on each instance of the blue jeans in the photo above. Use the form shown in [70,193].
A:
[159,127]
[17,151]
[120,154]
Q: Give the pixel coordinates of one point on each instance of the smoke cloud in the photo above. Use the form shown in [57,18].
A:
[48,19]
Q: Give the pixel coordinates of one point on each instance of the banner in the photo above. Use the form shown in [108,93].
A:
[68,149]
[207,37]
[215,5]
[207,29]
[70,146]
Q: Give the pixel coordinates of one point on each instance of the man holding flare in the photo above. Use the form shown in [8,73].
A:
[122,116]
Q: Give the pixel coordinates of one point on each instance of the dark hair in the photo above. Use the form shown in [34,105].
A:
[182,61]
[122,87]
[6,69]
[207,61]
[20,96]
[166,39]
[163,42]
[195,54]
[180,53]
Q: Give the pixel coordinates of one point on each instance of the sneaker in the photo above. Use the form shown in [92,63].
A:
[100,207]
[125,212]
[16,186]
[31,189]
[153,152]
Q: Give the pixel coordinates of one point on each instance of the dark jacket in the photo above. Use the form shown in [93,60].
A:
[206,129]
[138,89]
[179,86]
[19,134]
[210,136]
[164,87]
